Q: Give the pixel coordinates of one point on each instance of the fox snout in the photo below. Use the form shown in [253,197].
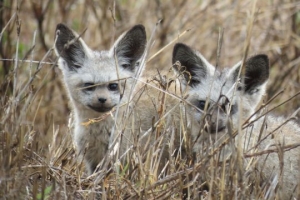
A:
[215,119]
[102,100]
[102,104]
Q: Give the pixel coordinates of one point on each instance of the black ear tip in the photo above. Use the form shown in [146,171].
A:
[263,59]
[177,48]
[139,27]
[61,26]
[263,56]
[180,45]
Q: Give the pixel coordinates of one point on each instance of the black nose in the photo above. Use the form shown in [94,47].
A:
[101,100]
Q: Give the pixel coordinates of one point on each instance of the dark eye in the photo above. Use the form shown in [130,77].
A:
[113,86]
[201,105]
[126,66]
[89,86]
[224,107]
[226,104]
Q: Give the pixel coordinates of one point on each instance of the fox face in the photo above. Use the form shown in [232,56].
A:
[96,80]
[215,95]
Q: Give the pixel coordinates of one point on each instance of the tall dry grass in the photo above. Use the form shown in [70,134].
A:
[37,159]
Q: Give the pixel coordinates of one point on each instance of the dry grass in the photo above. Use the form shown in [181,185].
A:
[37,159]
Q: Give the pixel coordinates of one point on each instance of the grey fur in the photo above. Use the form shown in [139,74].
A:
[219,87]
[227,98]
[95,85]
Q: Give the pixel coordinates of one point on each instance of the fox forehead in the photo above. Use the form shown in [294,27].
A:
[214,85]
[99,67]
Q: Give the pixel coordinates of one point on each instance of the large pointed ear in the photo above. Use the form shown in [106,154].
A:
[192,65]
[256,73]
[70,47]
[130,47]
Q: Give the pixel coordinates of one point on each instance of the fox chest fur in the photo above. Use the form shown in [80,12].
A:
[92,138]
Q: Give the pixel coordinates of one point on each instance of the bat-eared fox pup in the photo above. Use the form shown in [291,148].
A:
[219,90]
[96,82]
[215,97]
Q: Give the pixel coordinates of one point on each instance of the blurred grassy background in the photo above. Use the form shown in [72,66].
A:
[40,105]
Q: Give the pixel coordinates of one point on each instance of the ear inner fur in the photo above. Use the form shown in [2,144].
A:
[193,68]
[131,47]
[256,72]
[74,53]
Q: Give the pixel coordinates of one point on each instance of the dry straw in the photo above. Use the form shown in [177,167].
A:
[37,157]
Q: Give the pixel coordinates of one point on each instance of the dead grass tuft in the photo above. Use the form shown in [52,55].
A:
[37,158]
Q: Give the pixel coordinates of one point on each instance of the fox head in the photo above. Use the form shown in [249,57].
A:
[96,80]
[219,92]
